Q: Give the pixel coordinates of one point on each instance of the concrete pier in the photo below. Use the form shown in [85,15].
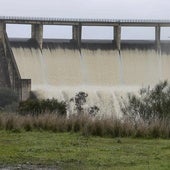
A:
[9,73]
[158,37]
[22,87]
[2,30]
[25,89]
[76,34]
[37,33]
[117,36]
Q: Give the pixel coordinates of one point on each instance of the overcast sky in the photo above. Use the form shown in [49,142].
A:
[116,9]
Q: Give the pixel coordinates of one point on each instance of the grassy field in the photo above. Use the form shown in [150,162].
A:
[73,151]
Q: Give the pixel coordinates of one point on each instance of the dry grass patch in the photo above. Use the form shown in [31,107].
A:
[87,125]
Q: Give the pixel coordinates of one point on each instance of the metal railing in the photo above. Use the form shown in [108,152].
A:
[43,19]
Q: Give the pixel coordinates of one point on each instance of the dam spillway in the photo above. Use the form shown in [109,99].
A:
[60,65]
[60,70]
[105,70]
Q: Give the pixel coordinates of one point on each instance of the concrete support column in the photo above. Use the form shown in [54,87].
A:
[76,36]
[25,89]
[117,36]
[2,31]
[37,33]
[158,37]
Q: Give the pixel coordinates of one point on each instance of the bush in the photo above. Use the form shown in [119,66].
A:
[8,98]
[150,103]
[79,100]
[36,107]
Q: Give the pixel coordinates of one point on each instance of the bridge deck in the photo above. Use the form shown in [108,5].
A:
[84,22]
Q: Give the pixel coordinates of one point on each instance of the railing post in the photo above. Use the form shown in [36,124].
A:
[158,37]
[117,36]
[76,34]
[37,34]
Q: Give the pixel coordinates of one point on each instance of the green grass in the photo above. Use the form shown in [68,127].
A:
[73,151]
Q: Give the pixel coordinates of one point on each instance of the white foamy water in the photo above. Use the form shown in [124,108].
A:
[104,75]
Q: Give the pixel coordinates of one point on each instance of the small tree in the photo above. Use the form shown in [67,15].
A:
[80,99]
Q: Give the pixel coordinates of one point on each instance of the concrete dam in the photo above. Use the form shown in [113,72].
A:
[105,69]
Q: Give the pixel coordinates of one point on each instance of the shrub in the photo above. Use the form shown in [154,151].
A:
[150,103]
[36,107]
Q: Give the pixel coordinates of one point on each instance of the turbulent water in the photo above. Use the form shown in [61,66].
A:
[105,75]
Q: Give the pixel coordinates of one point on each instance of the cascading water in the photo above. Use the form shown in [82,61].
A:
[83,69]
[160,65]
[105,75]
[121,68]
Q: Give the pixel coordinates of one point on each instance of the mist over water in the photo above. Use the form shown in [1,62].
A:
[103,74]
